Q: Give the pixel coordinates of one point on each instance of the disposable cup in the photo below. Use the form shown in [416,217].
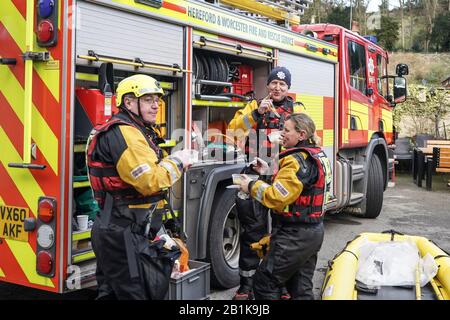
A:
[237,177]
[82,222]
[193,155]
[275,137]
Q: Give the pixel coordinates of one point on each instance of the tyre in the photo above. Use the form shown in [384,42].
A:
[375,188]
[223,241]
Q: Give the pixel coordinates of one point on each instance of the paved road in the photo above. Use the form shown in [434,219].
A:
[407,209]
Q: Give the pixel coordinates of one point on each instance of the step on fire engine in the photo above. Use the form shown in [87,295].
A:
[60,62]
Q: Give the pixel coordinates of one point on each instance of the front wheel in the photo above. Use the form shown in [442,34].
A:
[375,188]
[223,241]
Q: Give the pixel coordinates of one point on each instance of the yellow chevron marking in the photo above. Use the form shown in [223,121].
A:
[26,258]
[2,274]
[41,133]
[386,115]
[313,108]
[15,24]
[50,77]
[29,190]
[23,179]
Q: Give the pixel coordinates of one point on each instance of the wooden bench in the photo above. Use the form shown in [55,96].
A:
[441,157]
[438,162]
[424,161]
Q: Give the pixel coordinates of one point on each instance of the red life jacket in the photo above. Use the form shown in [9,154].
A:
[308,207]
[105,178]
[269,123]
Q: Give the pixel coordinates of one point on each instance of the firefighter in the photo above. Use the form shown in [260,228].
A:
[128,175]
[296,198]
[255,122]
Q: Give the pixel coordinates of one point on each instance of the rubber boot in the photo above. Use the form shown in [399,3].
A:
[245,291]
[284,294]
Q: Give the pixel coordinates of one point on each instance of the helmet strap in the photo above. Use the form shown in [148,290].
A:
[137,117]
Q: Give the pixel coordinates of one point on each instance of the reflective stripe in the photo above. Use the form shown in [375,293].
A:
[247,122]
[260,191]
[247,273]
[172,171]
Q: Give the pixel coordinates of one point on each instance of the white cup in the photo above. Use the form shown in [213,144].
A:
[193,156]
[82,222]
[275,137]
[237,178]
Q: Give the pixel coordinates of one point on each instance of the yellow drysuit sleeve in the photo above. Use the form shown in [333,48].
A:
[138,165]
[284,190]
[243,119]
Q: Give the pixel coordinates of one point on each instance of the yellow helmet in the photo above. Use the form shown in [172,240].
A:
[139,85]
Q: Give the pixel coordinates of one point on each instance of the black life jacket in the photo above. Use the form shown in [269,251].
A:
[104,176]
[309,206]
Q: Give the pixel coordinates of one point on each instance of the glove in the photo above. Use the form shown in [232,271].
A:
[262,246]
[186,156]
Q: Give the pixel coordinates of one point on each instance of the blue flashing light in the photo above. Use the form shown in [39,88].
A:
[45,8]
[372,39]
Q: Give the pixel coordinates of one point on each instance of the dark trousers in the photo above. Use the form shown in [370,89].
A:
[128,266]
[253,221]
[290,262]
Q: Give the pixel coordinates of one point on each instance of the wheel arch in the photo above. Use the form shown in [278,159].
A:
[377,146]
[217,180]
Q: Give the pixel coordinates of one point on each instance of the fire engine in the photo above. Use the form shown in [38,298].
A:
[60,62]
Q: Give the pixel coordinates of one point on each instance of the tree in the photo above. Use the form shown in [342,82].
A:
[388,34]
[430,13]
[425,108]
[440,36]
[339,15]
[402,6]
[412,111]
[438,102]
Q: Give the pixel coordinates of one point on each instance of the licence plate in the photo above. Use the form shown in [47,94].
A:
[11,223]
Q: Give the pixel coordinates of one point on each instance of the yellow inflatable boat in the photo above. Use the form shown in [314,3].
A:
[340,280]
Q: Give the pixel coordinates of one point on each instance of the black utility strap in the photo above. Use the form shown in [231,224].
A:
[131,254]
[103,172]
[105,214]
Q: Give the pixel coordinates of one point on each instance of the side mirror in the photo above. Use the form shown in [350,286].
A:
[369,91]
[399,89]
[401,69]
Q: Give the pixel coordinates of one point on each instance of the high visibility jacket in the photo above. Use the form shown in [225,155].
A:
[124,160]
[249,118]
[297,192]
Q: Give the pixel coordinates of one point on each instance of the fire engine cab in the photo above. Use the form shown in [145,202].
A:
[60,62]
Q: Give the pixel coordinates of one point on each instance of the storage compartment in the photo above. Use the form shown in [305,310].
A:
[193,285]
[91,108]
[241,77]
[223,84]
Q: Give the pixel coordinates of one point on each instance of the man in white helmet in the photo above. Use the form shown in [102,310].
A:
[129,175]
